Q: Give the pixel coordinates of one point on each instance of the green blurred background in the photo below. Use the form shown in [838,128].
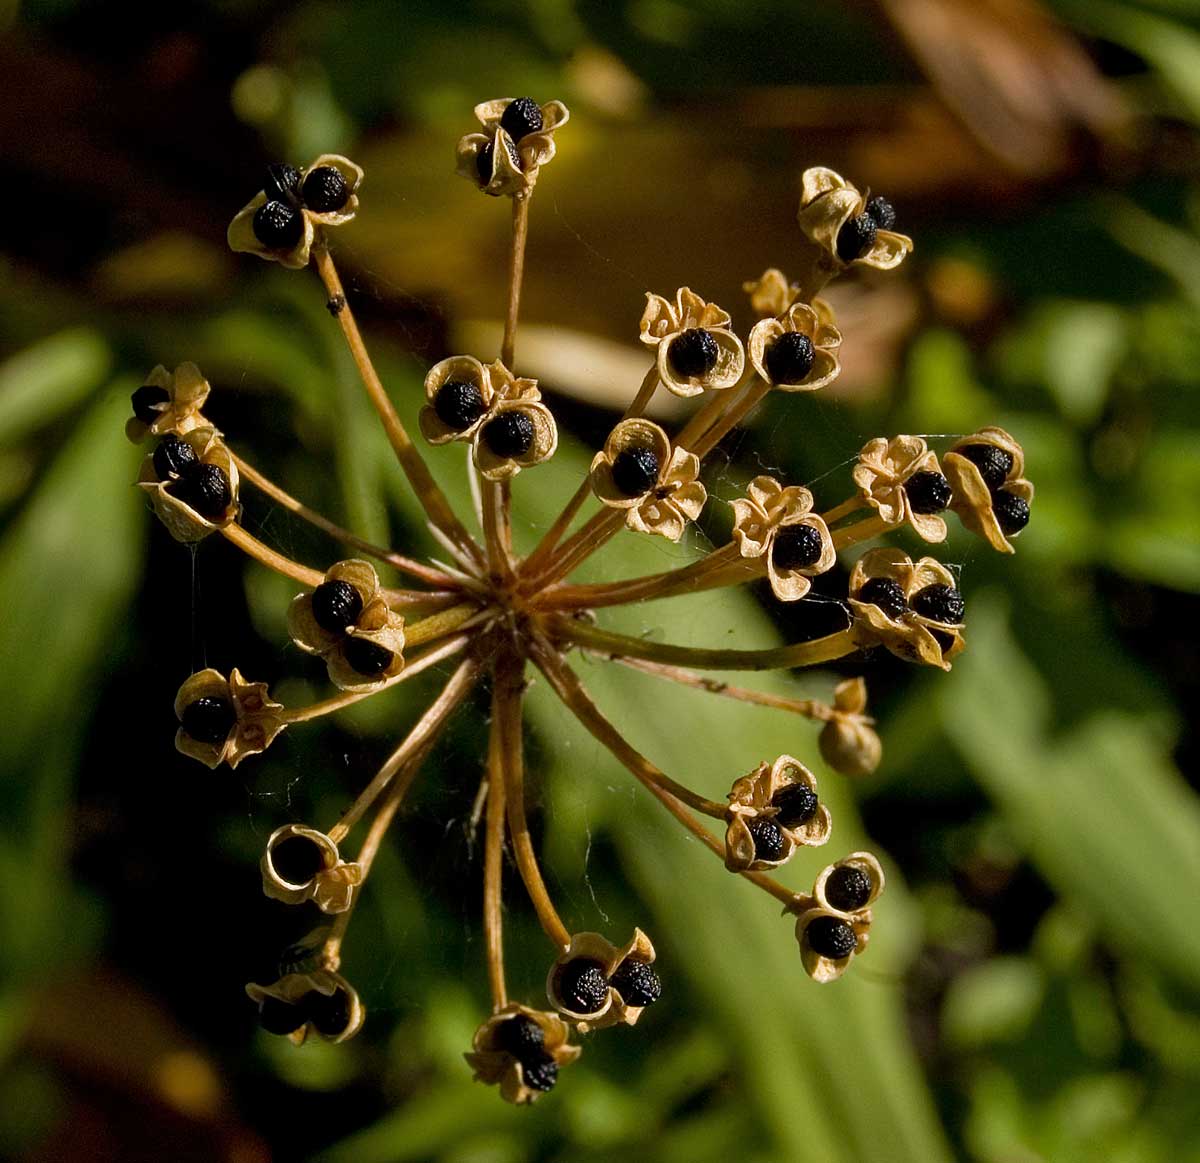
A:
[1032,991]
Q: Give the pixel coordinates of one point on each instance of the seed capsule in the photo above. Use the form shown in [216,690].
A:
[994,463]
[635,471]
[796,547]
[520,1036]
[636,982]
[797,804]
[509,434]
[297,859]
[882,212]
[174,458]
[540,1072]
[366,657]
[790,358]
[459,404]
[145,402]
[325,190]
[886,594]
[330,1015]
[277,225]
[769,840]
[204,488]
[209,719]
[856,237]
[847,888]
[1012,513]
[522,117]
[940,603]
[693,352]
[831,937]
[336,605]
[928,492]
[277,1016]
[582,986]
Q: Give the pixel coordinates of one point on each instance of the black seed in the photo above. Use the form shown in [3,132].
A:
[174,458]
[521,117]
[882,212]
[297,859]
[856,237]
[204,488]
[485,157]
[797,804]
[325,190]
[636,982]
[886,594]
[790,358]
[209,719]
[582,986]
[831,937]
[796,547]
[693,352]
[459,404]
[336,605]
[540,1072]
[847,888]
[282,184]
[277,225]
[635,471]
[769,841]
[330,1015]
[366,657]
[940,603]
[509,435]
[928,492]
[144,402]
[280,1017]
[1011,512]
[945,641]
[994,463]
[520,1036]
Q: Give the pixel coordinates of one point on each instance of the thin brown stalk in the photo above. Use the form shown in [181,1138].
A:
[250,545]
[493,920]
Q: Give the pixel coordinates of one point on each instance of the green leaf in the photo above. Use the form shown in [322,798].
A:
[45,380]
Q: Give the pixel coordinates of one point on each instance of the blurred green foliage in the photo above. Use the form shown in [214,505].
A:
[1032,991]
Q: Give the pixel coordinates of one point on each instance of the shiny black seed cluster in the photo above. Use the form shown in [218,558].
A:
[831,937]
[994,464]
[797,804]
[297,859]
[940,603]
[693,352]
[796,547]
[510,434]
[336,606]
[886,594]
[459,404]
[928,492]
[279,222]
[790,358]
[583,988]
[847,888]
[200,486]
[329,1015]
[525,1040]
[635,471]
[857,234]
[209,719]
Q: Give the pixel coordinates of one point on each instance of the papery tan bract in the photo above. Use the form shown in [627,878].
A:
[241,237]
[827,203]
[181,520]
[752,796]
[187,390]
[664,321]
[596,947]
[758,518]
[771,294]
[884,466]
[258,718]
[495,1066]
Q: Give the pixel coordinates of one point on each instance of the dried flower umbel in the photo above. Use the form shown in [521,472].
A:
[499,616]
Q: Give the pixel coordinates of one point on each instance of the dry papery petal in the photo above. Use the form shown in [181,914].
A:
[825,969]
[752,796]
[495,1066]
[457,369]
[629,434]
[972,500]
[884,467]
[310,635]
[678,499]
[293,987]
[187,390]
[182,521]
[662,321]
[494,467]
[596,947]
[803,320]
[771,294]
[514,165]
[827,203]
[258,718]
[331,887]
[849,742]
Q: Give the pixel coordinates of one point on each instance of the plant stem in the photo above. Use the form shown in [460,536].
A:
[250,545]
[493,921]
